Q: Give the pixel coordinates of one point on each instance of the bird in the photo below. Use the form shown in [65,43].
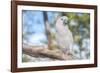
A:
[63,35]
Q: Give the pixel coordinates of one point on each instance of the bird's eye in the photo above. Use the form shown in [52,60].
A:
[61,18]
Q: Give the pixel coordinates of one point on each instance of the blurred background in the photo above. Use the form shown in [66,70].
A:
[34,31]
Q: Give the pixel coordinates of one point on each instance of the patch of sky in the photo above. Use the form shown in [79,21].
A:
[33,22]
[51,19]
[86,43]
[52,15]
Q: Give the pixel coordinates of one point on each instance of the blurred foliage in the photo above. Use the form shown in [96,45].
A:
[24,58]
[79,24]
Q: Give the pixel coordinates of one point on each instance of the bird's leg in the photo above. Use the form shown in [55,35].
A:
[64,50]
[70,52]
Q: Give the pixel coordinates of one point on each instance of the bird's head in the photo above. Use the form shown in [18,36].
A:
[64,19]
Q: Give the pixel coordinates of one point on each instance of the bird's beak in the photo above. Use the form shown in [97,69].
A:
[65,22]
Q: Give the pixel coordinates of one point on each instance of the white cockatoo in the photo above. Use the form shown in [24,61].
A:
[64,36]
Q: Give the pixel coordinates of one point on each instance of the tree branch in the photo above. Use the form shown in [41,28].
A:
[36,51]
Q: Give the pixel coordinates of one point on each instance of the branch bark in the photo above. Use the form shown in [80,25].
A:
[36,51]
[47,29]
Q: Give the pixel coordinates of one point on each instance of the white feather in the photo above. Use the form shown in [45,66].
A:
[64,36]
